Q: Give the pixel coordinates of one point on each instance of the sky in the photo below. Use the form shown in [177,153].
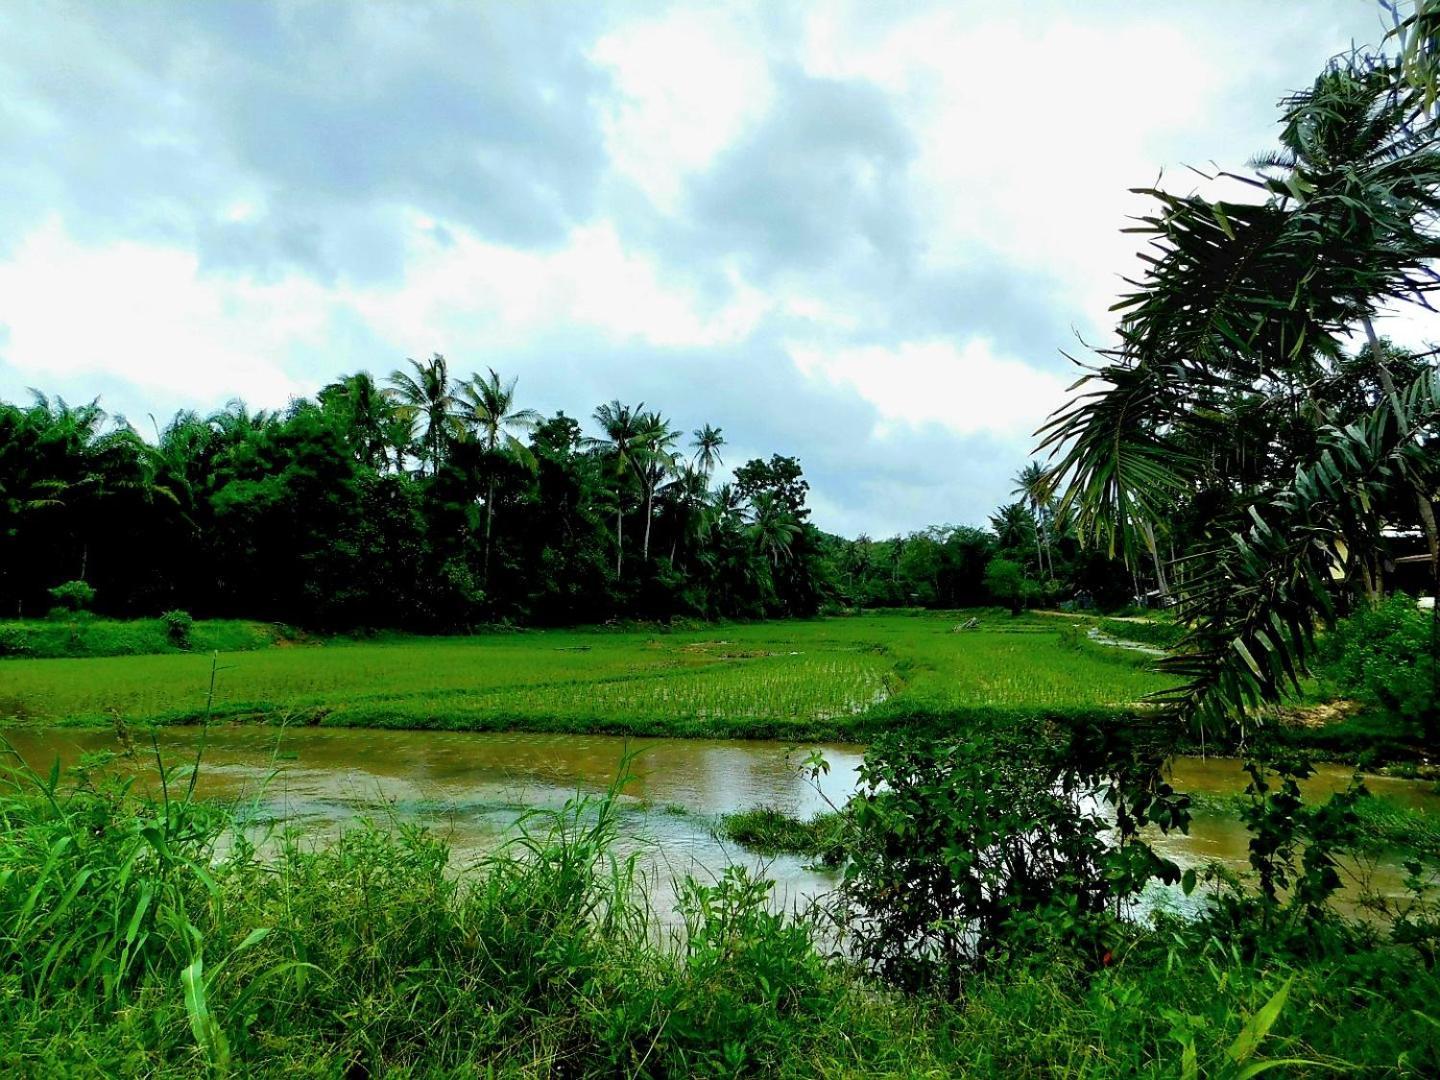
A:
[858,233]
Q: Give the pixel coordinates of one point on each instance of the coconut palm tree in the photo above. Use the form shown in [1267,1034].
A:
[654,460]
[486,408]
[772,527]
[366,410]
[622,441]
[427,396]
[706,443]
[687,492]
[1033,484]
[1014,526]
[398,435]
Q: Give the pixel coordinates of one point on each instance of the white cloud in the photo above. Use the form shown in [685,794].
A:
[144,313]
[488,296]
[967,389]
[689,82]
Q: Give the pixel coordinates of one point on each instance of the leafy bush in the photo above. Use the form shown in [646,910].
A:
[961,851]
[145,936]
[74,596]
[14,641]
[1385,656]
[1161,634]
[178,625]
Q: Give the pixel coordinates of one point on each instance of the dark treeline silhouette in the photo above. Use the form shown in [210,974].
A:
[425,501]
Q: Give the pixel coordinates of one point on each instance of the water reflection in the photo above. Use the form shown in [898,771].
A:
[471,787]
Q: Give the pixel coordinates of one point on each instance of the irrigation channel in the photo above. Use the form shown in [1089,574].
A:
[472,787]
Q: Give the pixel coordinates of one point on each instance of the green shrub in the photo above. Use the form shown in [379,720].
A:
[963,851]
[1006,582]
[74,596]
[14,641]
[144,936]
[1385,656]
[1162,634]
[178,625]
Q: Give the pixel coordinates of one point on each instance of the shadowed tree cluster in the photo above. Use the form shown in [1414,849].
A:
[421,501]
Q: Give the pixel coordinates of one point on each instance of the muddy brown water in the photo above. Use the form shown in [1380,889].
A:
[471,787]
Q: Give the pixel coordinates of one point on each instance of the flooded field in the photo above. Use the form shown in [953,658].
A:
[473,787]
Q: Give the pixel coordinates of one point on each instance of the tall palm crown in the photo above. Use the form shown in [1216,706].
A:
[706,443]
[1035,485]
[426,395]
[654,461]
[1014,525]
[366,410]
[772,527]
[486,407]
[621,440]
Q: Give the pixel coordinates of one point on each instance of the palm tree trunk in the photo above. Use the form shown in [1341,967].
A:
[1160,581]
[649,516]
[489,523]
[619,535]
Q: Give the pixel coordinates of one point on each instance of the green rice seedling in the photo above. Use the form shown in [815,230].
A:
[820,678]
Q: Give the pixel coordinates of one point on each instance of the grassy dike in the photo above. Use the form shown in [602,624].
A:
[82,635]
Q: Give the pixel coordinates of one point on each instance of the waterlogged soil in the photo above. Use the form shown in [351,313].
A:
[472,788]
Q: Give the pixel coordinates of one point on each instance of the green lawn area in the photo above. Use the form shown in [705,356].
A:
[804,679]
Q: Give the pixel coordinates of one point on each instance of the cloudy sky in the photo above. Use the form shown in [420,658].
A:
[859,233]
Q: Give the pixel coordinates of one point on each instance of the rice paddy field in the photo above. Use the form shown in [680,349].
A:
[819,678]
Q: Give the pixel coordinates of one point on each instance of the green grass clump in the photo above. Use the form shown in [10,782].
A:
[768,831]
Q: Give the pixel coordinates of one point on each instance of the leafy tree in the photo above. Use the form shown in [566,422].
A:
[781,477]
[365,414]
[1006,582]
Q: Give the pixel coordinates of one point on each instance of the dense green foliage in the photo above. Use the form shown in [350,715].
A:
[1236,437]
[960,849]
[431,503]
[1385,656]
[772,832]
[800,679]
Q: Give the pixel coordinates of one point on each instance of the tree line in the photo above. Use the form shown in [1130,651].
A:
[423,501]
[428,501]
